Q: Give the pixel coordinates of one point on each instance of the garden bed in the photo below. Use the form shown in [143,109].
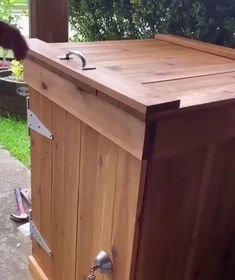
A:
[12,96]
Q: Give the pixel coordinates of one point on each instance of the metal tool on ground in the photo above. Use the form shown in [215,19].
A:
[22,215]
[26,194]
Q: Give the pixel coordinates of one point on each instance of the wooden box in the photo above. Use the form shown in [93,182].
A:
[141,163]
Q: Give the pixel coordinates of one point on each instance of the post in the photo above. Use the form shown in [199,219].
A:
[49,20]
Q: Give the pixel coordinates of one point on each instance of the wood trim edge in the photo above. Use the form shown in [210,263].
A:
[35,270]
[197,45]
[120,127]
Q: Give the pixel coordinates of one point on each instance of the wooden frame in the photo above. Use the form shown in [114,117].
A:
[141,164]
[44,25]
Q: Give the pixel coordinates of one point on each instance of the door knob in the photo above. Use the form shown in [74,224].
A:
[103,265]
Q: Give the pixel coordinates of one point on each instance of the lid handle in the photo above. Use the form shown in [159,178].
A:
[68,55]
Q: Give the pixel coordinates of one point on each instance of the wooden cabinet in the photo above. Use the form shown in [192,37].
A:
[141,163]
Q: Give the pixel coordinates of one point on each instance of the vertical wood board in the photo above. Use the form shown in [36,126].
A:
[41,151]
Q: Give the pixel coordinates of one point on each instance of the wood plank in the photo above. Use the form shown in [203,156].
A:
[41,179]
[168,218]
[198,45]
[193,84]
[123,90]
[120,127]
[171,57]
[207,158]
[209,161]
[113,44]
[46,183]
[71,177]
[46,27]
[183,73]
[170,65]
[36,171]
[187,130]
[35,270]
[58,189]
[214,245]
[198,90]
[87,186]
[127,205]
[96,198]
[104,196]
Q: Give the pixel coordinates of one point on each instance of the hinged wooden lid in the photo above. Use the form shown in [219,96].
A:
[148,75]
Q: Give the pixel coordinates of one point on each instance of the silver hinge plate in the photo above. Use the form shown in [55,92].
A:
[35,234]
[35,124]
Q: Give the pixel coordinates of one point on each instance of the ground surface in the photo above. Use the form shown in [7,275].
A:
[14,247]
[14,137]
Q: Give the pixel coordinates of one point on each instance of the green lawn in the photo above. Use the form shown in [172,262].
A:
[9,53]
[14,138]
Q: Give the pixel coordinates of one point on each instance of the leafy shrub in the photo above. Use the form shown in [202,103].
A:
[6,12]
[17,70]
[208,20]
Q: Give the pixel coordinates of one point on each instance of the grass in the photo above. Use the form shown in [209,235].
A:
[14,138]
[9,53]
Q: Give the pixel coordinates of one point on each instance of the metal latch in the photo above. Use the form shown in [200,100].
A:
[35,234]
[68,54]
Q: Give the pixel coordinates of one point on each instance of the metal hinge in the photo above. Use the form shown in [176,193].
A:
[35,124]
[35,234]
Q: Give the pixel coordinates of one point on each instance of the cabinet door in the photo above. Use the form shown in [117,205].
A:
[85,192]
[107,209]
[41,180]
[55,184]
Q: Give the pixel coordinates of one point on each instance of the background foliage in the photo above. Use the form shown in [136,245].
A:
[208,20]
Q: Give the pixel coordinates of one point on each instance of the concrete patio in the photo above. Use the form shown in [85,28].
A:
[14,246]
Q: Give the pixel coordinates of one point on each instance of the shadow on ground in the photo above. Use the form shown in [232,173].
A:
[14,247]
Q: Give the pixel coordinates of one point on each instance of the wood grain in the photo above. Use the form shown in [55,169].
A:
[187,130]
[71,192]
[58,188]
[128,170]
[127,203]
[36,169]
[125,91]
[107,176]
[167,222]
[187,228]
[198,45]
[153,61]
[96,196]
[46,27]
[85,219]
[120,127]
[214,246]
[153,74]
[35,270]
[198,91]
[41,179]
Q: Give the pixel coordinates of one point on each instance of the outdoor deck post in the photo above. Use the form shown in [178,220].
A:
[49,20]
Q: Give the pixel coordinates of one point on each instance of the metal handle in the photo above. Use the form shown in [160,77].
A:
[77,53]
[20,201]
[68,54]
[103,264]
